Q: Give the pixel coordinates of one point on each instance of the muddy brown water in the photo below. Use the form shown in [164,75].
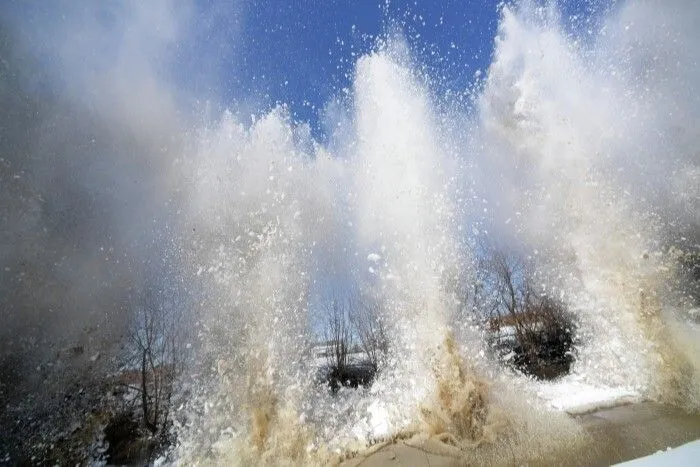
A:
[613,435]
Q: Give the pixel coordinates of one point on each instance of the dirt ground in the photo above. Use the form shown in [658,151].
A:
[613,435]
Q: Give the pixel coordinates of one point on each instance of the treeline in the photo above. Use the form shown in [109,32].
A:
[527,328]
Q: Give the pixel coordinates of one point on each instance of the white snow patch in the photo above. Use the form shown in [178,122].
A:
[576,397]
[687,454]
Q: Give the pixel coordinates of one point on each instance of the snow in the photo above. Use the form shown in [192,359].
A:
[685,455]
[576,397]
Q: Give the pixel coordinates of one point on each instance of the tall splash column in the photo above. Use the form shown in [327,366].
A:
[405,221]
[251,215]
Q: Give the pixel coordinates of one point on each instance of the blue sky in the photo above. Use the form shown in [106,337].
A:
[303,53]
[253,54]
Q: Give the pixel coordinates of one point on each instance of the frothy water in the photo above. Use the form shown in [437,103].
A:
[580,152]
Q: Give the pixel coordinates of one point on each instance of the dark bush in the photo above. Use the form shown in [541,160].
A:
[546,354]
[544,341]
[528,329]
[352,375]
[126,443]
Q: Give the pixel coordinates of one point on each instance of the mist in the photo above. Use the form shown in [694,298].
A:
[127,177]
[89,143]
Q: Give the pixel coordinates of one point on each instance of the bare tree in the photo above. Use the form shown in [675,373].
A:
[157,351]
[512,292]
[369,325]
[533,327]
[338,335]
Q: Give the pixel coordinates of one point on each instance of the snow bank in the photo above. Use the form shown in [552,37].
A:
[685,455]
[576,397]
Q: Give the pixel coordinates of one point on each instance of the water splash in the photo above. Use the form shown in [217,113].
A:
[563,135]
[559,147]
